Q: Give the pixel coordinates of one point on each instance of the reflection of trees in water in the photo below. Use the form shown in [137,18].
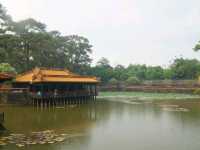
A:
[100,111]
[71,118]
[82,118]
[136,109]
[155,112]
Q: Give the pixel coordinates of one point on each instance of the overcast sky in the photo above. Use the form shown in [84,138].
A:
[151,32]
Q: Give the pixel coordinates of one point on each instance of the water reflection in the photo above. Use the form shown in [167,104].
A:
[111,125]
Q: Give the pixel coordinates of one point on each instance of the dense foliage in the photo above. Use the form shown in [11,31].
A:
[135,73]
[5,67]
[27,44]
[133,80]
[185,69]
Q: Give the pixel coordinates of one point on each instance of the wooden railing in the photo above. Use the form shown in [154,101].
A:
[63,95]
[14,89]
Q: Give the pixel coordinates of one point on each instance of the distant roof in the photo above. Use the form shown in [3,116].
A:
[39,75]
[5,76]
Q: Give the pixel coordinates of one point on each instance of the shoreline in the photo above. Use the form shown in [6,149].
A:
[142,96]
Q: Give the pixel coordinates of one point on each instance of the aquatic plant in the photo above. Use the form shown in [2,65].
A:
[42,137]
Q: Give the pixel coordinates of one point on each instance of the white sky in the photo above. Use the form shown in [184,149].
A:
[152,32]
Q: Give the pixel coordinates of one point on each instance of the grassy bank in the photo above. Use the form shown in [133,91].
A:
[147,96]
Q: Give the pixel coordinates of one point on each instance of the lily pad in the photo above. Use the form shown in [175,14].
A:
[3,143]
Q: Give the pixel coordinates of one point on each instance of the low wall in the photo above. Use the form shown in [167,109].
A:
[10,97]
[176,86]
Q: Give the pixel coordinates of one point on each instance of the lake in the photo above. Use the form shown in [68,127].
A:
[116,121]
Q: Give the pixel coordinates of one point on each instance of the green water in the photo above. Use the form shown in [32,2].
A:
[110,125]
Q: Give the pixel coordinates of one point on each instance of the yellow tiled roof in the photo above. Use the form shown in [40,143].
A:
[53,75]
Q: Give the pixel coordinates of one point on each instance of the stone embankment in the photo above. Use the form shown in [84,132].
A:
[180,86]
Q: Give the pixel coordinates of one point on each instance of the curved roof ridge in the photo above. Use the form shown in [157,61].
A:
[36,71]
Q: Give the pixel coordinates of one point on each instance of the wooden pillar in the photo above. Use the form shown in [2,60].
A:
[95,91]
[91,90]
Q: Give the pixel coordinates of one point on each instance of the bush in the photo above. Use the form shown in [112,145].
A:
[113,81]
[197,91]
[133,80]
[5,67]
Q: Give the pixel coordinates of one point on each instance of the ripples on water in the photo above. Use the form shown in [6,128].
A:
[105,125]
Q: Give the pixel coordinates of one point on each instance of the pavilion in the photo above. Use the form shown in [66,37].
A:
[57,86]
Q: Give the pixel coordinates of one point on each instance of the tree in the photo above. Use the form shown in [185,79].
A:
[5,67]
[120,73]
[7,40]
[154,73]
[103,70]
[30,45]
[185,68]
[34,44]
[5,21]
[76,53]
[138,71]
[27,43]
[103,62]
[133,81]
[197,47]
[113,81]
[167,73]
